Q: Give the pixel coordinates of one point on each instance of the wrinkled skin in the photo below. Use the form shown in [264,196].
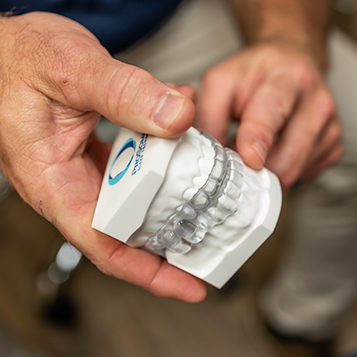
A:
[56,78]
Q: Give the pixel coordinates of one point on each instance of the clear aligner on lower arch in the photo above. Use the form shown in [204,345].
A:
[216,200]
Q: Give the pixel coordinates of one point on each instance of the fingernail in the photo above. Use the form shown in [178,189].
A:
[260,148]
[168,109]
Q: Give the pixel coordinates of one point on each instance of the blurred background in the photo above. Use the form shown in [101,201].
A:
[78,311]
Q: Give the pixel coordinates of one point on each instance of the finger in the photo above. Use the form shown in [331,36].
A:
[329,139]
[188,91]
[71,210]
[214,104]
[290,154]
[331,157]
[171,85]
[262,118]
[148,271]
[184,89]
[126,95]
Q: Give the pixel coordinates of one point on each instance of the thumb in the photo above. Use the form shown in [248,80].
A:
[126,95]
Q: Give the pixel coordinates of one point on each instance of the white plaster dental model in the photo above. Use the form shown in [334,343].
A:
[187,199]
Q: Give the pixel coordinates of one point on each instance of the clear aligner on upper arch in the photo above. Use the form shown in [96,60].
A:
[216,200]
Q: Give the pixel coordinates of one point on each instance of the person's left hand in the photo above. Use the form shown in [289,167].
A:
[287,114]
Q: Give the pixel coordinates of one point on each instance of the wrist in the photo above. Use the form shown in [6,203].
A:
[315,50]
[300,39]
[302,24]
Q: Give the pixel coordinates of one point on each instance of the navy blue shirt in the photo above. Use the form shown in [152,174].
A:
[116,23]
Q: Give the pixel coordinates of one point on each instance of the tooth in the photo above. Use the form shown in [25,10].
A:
[217,215]
[187,212]
[236,165]
[220,153]
[232,190]
[199,200]
[201,231]
[212,198]
[181,247]
[217,170]
[185,230]
[227,205]
[236,177]
[205,166]
[210,186]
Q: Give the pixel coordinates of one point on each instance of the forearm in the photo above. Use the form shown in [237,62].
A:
[303,23]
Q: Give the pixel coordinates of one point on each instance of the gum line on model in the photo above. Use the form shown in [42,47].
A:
[188,199]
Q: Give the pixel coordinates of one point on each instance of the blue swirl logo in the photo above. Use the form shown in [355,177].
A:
[129,144]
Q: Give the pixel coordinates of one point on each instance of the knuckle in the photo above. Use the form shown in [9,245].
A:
[68,59]
[212,77]
[65,56]
[278,98]
[281,107]
[260,131]
[65,62]
[132,83]
[304,74]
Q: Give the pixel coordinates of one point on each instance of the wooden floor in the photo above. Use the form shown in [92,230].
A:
[116,319]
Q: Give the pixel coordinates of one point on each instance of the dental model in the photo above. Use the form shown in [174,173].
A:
[189,200]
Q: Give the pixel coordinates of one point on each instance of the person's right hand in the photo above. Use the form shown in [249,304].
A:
[56,81]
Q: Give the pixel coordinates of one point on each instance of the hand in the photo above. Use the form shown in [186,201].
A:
[287,116]
[56,82]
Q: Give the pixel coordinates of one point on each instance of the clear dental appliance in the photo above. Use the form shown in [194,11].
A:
[188,199]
